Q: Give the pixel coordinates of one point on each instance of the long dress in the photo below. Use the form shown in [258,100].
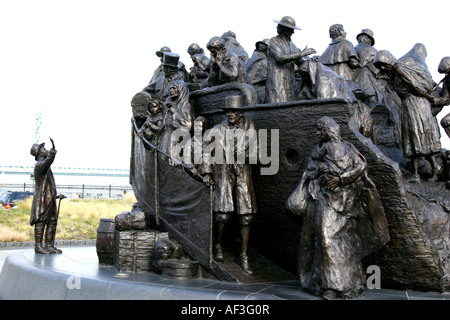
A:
[340,226]
[420,130]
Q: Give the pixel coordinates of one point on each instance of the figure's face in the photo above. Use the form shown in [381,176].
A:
[169,70]
[43,153]
[234,116]
[386,67]
[173,92]
[154,108]
[321,134]
[214,51]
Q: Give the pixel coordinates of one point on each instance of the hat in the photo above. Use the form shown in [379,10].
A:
[35,148]
[444,65]
[368,33]
[163,50]
[288,22]
[265,42]
[170,60]
[194,48]
[233,103]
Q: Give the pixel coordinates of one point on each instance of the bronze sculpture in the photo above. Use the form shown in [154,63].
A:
[178,119]
[200,70]
[256,68]
[160,69]
[234,46]
[232,180]
[282,56]
[335,196]
[366,76]
[44,212]
[444,96]
[154,122]
[444,99]
[160,85]
[192,214]
[226,66]
[420,132]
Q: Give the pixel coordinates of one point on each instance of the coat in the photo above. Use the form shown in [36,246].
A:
[280,84]
[44,200]
[233,181]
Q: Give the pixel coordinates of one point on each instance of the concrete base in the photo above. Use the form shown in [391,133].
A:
[76,275]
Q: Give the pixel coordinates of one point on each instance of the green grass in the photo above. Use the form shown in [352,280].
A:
[78,218]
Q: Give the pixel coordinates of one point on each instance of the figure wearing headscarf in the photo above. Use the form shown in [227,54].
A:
[283,55]
[234,46]
[178,117]
[420,131]
[343,217]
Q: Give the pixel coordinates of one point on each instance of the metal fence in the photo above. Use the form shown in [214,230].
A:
[77,191]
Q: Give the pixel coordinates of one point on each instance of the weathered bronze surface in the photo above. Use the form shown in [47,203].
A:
[44,211]
[378,103]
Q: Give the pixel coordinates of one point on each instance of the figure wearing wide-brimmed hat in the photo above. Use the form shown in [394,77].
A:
[44,212]
[282,56]
[231,174]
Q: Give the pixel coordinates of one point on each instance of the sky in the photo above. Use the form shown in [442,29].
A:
[76,65]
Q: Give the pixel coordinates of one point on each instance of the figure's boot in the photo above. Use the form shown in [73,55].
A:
[436,169]
[38,235]
[243,258]
[50,238]
[218,254]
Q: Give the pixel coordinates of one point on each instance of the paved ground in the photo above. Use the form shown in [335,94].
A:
[76,274]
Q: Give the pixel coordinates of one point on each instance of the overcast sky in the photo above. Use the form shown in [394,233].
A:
[79,63]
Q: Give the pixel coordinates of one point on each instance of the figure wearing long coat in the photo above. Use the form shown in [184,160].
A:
[281,85]
[233,181]
[420,131]
[43,207]
[338,56]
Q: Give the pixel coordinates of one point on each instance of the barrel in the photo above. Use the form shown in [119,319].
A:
[105,241]
[180,269]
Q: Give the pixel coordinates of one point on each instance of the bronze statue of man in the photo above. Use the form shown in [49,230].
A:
[232,178]
[282,56]
[44,213]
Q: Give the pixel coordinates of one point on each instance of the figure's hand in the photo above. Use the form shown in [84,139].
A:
[333,183]
[308,51]
[323,168]
[53,143]
[208,180]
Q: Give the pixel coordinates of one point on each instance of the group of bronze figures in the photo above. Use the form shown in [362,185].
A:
[335,186]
